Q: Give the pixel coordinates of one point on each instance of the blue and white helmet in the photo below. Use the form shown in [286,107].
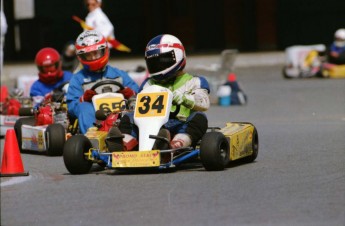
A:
[164,56]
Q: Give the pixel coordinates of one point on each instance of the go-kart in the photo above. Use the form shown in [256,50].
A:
[303,61]
[309,62]
[219,146]
[9,107]
[45,128]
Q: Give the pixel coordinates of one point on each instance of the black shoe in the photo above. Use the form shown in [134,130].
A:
[164,142]
[114,140]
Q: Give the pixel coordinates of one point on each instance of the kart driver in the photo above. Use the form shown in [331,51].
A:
[50,75]
[93,53]
[165,59]
[337,48]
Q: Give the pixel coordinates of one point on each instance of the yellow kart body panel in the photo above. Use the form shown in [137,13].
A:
[97,138]
[136,159]
[336,71]
[240,137]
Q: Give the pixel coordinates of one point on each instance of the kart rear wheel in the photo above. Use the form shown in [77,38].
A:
[55,137]
[73,154]
[255,147]
[214,151]
[18,128]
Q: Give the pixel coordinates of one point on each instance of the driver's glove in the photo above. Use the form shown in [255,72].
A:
[127,92]
[131,103]
[48,96]
[87,96]
[184,99]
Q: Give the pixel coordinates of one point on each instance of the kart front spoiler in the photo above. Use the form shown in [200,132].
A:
[188,153]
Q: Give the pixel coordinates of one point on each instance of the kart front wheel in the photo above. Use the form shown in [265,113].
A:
[214,151]
[74,154]
[18,128]
[55,136]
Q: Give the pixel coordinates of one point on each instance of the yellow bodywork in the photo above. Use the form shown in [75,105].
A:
[97,138]
[336,71]
[136,159]
[241,139]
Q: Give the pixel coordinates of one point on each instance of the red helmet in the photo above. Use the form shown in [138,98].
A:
[92,50]
[49,65]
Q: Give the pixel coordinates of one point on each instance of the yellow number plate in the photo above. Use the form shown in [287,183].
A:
[109,104]
[136,159]
[151,104]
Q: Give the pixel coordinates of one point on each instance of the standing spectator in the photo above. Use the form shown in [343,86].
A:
[3,31]
[97,19]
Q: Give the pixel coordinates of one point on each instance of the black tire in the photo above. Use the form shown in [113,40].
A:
[26,112]
[214,151]
[255,147]
[285,75]
[55,139]
[73,154]
[31,121]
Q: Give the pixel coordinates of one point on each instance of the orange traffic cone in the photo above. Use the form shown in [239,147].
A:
[12,164]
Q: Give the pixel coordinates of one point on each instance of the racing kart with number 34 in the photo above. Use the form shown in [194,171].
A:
[218,146]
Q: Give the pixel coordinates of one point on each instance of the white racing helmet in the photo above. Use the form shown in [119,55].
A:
[92,50]
[339,37]
[164,56]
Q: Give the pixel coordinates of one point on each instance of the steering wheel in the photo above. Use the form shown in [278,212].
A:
[107,82]
[59,92]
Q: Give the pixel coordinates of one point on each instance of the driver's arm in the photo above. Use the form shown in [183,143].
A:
[75,91]
[201,100]
[194,94]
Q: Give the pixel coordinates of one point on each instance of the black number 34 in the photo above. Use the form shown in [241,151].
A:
[147,105]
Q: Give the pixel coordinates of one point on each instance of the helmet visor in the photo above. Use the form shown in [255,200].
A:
[160,62]
[93,55]
[48,68]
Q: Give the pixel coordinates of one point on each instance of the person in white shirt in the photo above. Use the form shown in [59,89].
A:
[97,19]
[3,30]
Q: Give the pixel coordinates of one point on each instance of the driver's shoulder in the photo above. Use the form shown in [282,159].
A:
[113,72]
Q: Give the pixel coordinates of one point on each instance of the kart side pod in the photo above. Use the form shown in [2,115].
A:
[97,138]
[236,141]
[243,140]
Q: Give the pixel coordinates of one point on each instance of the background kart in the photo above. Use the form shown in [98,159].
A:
[219,146]
[10,104]
[303,61]
[310,61]
[45,130]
